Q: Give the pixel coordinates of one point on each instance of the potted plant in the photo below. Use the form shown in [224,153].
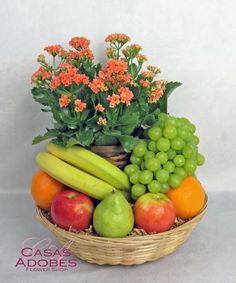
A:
[95,105]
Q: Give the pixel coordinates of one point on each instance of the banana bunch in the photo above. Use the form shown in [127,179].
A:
[82,170]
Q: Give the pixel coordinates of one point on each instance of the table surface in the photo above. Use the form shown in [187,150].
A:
[209,255]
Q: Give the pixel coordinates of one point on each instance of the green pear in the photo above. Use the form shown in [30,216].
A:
[113,217]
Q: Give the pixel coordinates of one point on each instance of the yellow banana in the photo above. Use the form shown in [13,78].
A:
[91,163]
[73,177]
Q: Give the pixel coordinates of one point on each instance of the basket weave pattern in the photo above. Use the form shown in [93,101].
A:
[125,251]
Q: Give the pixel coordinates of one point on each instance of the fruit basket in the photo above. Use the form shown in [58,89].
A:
[124,251]
[117,183]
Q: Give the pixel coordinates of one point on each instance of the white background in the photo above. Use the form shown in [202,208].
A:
[193,42]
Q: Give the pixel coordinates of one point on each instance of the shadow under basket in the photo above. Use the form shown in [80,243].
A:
[124,251]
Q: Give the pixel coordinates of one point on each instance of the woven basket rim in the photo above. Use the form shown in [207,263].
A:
[70,234]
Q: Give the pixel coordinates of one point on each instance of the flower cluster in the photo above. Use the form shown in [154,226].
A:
[117,38]
[66,78]
[54,49]
[88,100]
[41,75]
[114,74]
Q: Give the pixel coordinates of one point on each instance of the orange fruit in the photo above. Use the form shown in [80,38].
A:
[44,189]
[188,198]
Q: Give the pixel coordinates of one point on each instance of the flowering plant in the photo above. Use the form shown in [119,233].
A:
[91,104]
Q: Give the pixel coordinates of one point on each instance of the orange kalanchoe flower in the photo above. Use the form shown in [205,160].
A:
[68,77]
[80,106]
[115,72]
[97,85]
[114,100]
[145,83]
[117,37]
[84,53]
[102,121]
[53,49]
[110,52]
[79,42]
[41,74]
[64,100]
[131,50]
[148,75]
[141,58]
[99,107]
[41,58]
[126,95]
[153,69]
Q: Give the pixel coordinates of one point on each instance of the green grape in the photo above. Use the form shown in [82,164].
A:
[162,117]
[187,151]
[165,188]
[156,124]
[163,144]
[189,136]
[152,146]
[162,176]
[185,120]
[177,143]
[196,140]
[136,160]
[190,166]
[154,186]
[134,177]
[180,172]
[152,164]
[174,181]
[179,160]
[142,141]
[162,157]
[139,150]
[169,166]
[170,132]
[179,123]
[155,133]
[182,133]
[186,127]
[131,168]
[171,121]
[149,155]
[200,159]
[145,177]
[137,190]
[192,128]
[171,154]
[142,166]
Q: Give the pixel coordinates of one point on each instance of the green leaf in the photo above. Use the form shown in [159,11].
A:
[85,136]
[51,133]
[128,142]
[41,95]
[84,115]
[149,120]
[71,142]
[66,117]
[170,87]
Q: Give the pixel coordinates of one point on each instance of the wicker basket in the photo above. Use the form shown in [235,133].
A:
[125,251]
[113,153]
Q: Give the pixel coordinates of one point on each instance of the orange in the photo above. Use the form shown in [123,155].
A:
[44,189]
[188,198]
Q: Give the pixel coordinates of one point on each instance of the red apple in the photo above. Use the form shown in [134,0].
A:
[72,210]
[154,212]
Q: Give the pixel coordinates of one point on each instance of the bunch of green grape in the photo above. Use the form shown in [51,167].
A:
[164,157]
